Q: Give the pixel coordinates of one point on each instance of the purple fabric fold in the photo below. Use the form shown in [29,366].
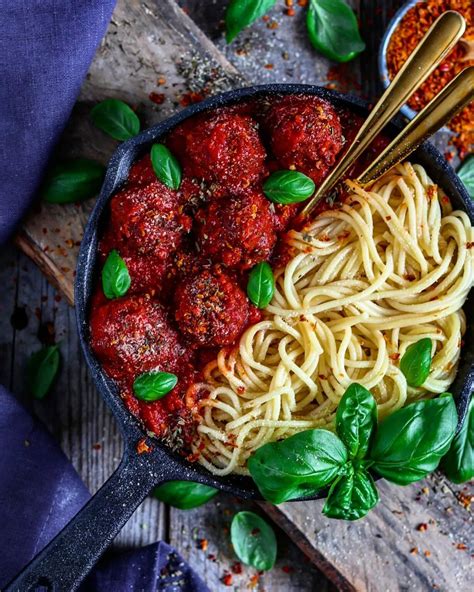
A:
[46,47]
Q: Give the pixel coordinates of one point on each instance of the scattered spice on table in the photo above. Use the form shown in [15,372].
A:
[157,98]
[203,544]
[237,568]
[227,579]
[422,527]
[406,36]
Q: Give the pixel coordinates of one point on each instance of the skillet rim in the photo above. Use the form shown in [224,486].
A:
[117,172]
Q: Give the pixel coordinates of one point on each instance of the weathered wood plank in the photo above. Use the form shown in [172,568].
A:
[388,550]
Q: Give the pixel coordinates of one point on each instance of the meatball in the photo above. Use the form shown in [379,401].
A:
[149,219]
[237,231]
[133,335]
[305,134]
[210,309]
[224,149]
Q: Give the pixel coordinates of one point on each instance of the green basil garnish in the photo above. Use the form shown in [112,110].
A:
[242,13]
[351,496]
[166,167]
[458,464]
[466,173]
[333,30]
[286,187]
[416,362]
[151,386]
[261,285]
[410,443]
[253,540]
[42,369]
[356,419]
[115,277]
[116,118]
[184,495]
[72,180]
[299,466]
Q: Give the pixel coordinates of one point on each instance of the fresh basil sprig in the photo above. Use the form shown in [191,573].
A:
[406,447]
[351,496]
[151,386]
[253,540]
[115,277]
[166,166]
[466,173]
[286,187]
[416,362]
[299,466]
[356,419]
[242,13]
[333,30]
[72,180]
[42,369]
[261,285]
[410,443]
[458,464]
[116,118]
[184,495]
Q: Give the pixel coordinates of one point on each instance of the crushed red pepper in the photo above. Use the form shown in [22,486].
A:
[406,36]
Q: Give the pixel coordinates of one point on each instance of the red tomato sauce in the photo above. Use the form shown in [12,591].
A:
[189,251]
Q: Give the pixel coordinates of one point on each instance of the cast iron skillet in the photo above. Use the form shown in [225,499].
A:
[69,557]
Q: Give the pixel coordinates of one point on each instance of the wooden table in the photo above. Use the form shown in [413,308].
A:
[32,311]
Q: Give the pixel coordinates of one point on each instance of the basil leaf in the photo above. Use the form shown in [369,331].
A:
[409,443]
[458,464]
[466,173]
[253,540]
[151,386]
[356,419]
[286,187]
[299,466]
[416,362]
[333,30]
[242,13]
[261,285]
[166,167]
[72,180]
[42,369]
[184,495]
[115,277]
[116,118]
[351,496]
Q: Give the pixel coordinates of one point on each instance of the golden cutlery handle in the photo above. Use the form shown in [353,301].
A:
[456,95]
[438,41]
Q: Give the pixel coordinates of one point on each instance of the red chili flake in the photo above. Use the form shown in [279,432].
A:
[142,446]
[161,81]
[290,12]
[303,3]
[414,551]
[237,568]
[254,581]
[469,245]
[461,546]
[422,527]
[157,98]
[265,18]
[227,579]
[289,3]
[288,569]
[190,98]
[96,446]
[212,557]
[268,66]
[272,25]
[427,553]
[394,357]
[203,544]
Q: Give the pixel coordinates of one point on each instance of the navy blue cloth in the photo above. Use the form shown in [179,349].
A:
[46,47]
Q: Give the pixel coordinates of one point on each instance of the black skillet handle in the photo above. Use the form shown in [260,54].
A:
[68,558]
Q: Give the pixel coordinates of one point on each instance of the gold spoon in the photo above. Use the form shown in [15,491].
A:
[454,97]
[441,37]
[468,47]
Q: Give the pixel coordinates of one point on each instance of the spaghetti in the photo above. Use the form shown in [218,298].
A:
[391,266]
